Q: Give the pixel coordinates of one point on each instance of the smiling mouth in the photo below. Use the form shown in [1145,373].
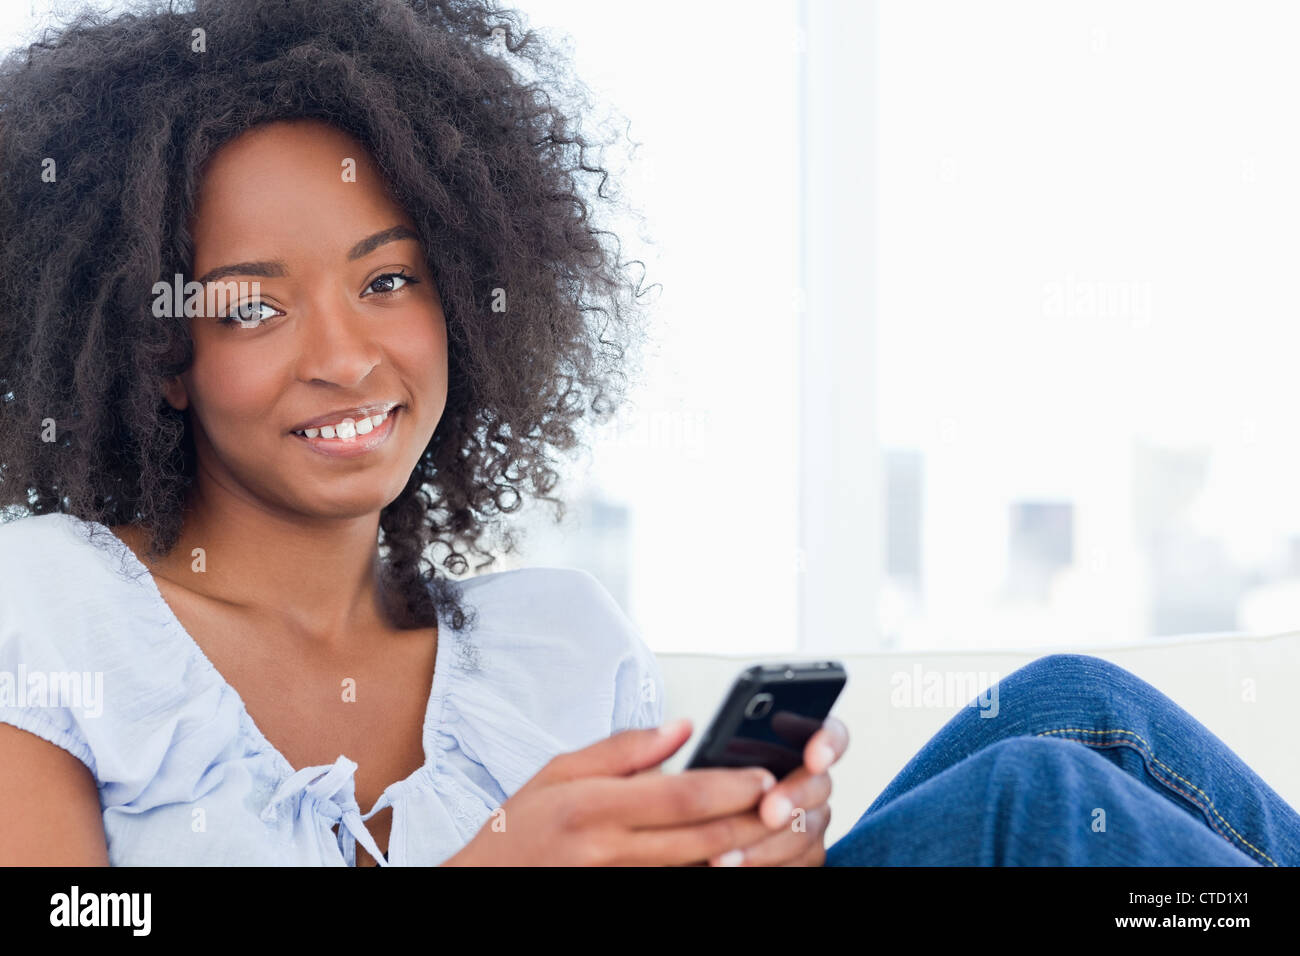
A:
[349,429]
[354,446]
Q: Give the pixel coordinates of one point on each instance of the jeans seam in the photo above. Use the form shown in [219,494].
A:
[1149,758]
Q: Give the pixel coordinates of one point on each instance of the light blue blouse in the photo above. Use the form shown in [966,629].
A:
[93,660]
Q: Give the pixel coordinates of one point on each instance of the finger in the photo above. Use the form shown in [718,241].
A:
[671,800]
[696,844]
[800,791]
[827,745]
[783,846]
[623,753]
[777,803]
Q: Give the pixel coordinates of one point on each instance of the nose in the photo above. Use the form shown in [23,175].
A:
[336,342]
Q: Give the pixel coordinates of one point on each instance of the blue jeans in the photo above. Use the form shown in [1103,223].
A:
[1084,764]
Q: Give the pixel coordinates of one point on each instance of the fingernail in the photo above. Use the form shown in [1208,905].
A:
[671,728]
[779,811]
[824,754]
[733,858]
[769,782]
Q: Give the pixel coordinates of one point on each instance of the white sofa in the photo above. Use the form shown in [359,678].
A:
[1212,677]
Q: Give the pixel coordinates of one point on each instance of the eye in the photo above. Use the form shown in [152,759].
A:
[387,280]
[246,314]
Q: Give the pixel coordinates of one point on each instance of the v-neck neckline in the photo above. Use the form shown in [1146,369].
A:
[437,688]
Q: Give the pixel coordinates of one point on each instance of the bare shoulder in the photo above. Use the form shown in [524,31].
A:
[49,805]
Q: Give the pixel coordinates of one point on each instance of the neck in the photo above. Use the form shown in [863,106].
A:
[316,576]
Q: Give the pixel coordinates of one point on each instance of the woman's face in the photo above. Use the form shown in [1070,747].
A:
[299,208]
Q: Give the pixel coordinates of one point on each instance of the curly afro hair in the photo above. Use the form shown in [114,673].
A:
[491,170]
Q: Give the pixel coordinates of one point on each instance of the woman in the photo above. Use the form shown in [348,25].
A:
[293,293]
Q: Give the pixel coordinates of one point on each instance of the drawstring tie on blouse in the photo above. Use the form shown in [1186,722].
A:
[330,787]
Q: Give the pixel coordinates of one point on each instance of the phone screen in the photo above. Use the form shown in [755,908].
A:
[769,716]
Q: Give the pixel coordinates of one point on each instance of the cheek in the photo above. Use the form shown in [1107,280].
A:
[231,391]
[420,348]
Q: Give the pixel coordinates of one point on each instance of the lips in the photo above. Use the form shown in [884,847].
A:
[356,412]
[358,445]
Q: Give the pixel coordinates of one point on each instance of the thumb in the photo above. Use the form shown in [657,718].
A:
[623,753]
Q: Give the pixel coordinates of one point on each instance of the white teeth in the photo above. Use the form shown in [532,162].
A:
[346,429]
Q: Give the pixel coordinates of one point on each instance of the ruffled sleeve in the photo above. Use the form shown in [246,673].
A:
[123,687]
[37,689]
[46,685]
[638,687]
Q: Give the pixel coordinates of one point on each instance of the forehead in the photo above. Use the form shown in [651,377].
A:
[290,185]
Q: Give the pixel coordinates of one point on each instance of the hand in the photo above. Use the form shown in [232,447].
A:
[797,838]
[603,806]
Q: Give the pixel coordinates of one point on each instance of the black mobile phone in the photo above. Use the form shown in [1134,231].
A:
[768,716]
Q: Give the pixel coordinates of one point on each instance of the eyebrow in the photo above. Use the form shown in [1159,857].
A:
[272,268]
